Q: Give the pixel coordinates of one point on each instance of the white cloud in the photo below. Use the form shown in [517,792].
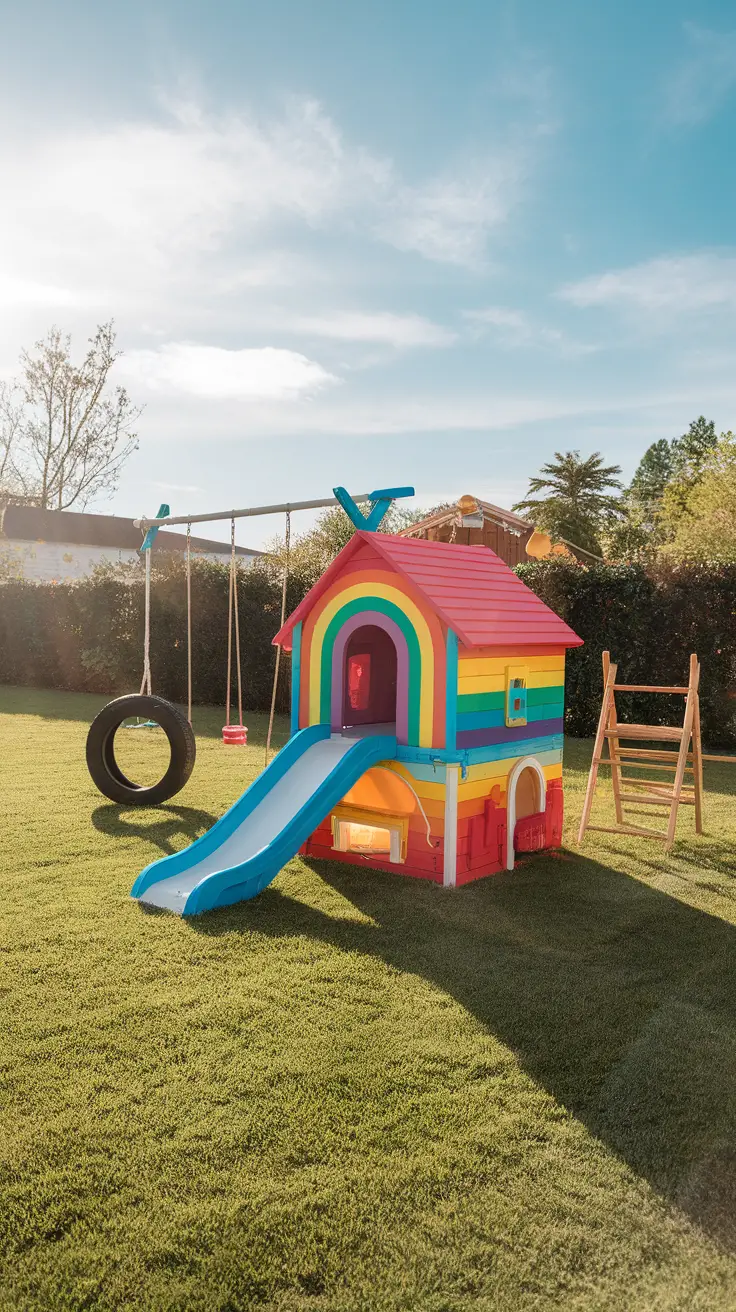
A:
[450,219]
[399,330]
[514,328]
[126,212]
[16,292]
[498,316]
[148,216]
[265,373]
[698,88]
[176,487]
[678,284]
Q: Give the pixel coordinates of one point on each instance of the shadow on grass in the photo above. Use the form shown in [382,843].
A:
[177,822]
[620,1000]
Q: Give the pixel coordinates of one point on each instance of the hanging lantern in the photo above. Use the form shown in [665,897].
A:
[472,515]
[539,545]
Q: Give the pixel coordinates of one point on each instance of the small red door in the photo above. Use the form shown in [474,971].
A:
[359,682]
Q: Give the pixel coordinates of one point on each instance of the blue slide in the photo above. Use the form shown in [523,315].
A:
[245,849]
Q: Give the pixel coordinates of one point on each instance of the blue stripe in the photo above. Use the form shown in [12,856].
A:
[501,752]
[544,758]
[430,774]
[427,756]
[467,720]
[451,692]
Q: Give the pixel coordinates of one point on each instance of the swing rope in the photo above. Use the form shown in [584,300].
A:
[146,684]
[284,582]
[233,610]
[189,623]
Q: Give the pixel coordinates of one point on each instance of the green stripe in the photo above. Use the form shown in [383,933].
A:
[415,657]
[495,718]
[493,701]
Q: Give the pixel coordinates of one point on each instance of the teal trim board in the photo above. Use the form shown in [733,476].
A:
[507,751]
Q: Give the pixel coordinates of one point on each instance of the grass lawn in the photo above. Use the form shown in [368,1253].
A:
[357,1091]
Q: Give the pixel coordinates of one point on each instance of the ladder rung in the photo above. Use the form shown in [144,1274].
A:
[648,754]
[644,687]
[656,732]
[656,786]
[639,765]
[648,799]
[656,799]
[638,831]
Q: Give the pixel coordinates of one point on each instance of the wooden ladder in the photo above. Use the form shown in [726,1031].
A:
[687,759]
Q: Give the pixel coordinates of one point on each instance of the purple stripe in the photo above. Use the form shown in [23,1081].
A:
[487,737]
[402,669]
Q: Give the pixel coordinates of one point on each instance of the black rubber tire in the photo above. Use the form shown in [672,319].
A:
[104,768]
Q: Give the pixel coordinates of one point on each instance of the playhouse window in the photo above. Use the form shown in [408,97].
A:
[516,687]
[359,682]
[371,834]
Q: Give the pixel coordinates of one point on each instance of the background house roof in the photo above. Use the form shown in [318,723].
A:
[470,588]
[29,524]
[506,518]
[453,518]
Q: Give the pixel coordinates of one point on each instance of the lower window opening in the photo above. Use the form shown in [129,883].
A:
[355,835]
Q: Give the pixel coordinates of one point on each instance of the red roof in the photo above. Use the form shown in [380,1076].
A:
[470,588]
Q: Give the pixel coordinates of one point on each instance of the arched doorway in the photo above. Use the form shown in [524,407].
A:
[526,795]
[369,682]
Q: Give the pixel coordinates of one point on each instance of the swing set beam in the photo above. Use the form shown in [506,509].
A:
[380,495]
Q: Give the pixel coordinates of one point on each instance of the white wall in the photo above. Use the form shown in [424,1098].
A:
[60,562]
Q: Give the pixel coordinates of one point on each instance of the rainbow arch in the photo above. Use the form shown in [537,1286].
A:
[421,645]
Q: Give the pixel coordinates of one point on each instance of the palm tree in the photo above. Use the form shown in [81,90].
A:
[578,499]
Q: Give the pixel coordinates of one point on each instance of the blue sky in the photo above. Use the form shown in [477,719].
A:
[392,243]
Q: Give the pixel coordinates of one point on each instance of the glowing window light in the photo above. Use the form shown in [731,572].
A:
[367,840]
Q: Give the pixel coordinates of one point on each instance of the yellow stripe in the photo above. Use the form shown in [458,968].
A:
[480,791]
[478,783]
[497,682]
[497,664]
[478,779]
[421,628]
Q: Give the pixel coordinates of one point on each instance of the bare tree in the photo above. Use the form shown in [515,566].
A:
[12,483]
[74,433]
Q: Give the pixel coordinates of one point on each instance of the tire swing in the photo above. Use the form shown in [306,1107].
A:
[150,711]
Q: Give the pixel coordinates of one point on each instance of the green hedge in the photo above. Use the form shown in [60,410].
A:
[650,619]
[88,636]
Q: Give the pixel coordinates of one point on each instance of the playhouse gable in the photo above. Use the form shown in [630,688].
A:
[469,589]
[360,556]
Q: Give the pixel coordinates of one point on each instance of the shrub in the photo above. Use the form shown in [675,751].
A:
[88,636]
[650,618]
